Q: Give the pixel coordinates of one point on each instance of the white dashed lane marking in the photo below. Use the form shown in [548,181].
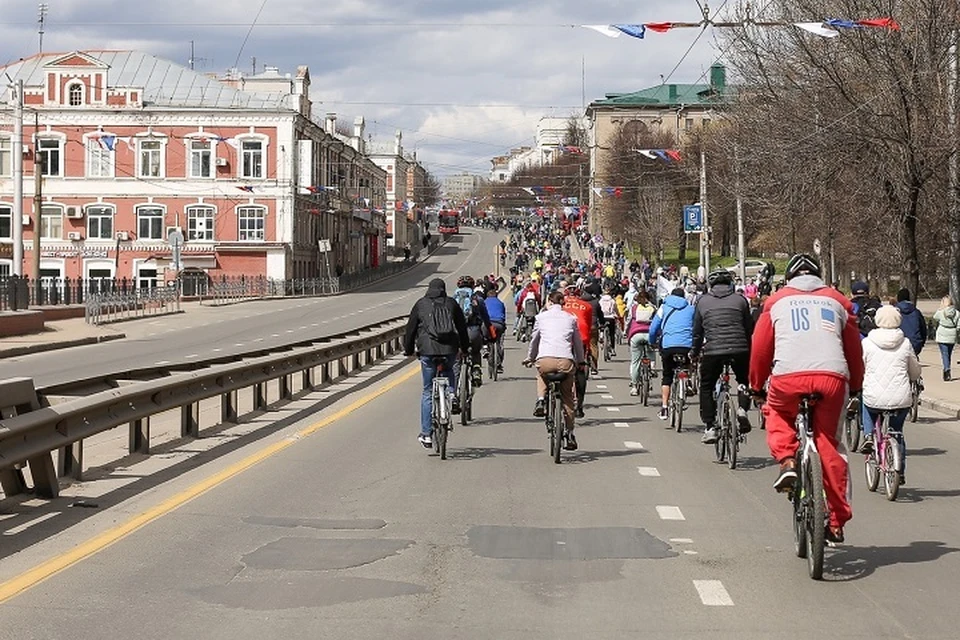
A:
[162,362]
[621,425]
[635,446]
[649,472]
[613,409]
[602,387]
[26,525]
[712,593]
[669,513]
[606,397]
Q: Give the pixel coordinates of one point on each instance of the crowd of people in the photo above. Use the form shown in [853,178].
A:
[783,340]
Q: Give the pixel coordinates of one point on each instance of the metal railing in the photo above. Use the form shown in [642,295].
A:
[112,306]
[40,429]
[18,293]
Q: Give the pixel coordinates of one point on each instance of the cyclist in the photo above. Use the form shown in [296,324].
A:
[890,365]
[638,335]
[807,342]
[672,329]
[436,331]
[583,312]
[591,294]
[556,347]
[608,307]
[528,302]
[722,327]
[478,322]
[864,307]
[497,311]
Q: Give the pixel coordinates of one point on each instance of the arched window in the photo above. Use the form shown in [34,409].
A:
[75,94]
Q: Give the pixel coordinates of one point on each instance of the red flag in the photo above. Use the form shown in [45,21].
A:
[883,23]
[674,154]
[618,192]
[659,27]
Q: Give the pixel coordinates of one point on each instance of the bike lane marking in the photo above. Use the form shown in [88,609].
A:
[669,513]
[713,593]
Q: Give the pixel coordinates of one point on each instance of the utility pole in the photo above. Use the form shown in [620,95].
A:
[741,249]
[18,180]
[705,234]
[953,206]
[43,7]
[39,166]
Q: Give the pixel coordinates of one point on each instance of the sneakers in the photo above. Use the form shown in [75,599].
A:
[571,442]
[867,447]
[787,477]
[426,441]
[477,375]
[710,436]
[579,412]
[634,391]
[834,535]
[903,479]
[499,369]
[540,409]
[663,415]
[744,420]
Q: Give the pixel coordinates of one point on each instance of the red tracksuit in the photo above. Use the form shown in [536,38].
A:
[807,341]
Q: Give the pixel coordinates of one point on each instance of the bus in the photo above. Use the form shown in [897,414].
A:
[449,222]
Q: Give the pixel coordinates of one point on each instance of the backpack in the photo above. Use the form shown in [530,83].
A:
[464,298]
[441,327]
[866,314]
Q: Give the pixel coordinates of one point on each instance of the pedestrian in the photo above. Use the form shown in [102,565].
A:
[947,319]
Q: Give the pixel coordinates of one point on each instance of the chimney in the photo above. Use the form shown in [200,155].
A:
[398,143]
[357,141]
[331,123]
[301,88]
[673,93]
[718,78]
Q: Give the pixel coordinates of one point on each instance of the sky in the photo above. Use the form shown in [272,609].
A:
[464,80]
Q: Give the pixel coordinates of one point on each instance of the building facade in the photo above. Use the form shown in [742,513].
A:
[461,186]
[401,228]
[133,148]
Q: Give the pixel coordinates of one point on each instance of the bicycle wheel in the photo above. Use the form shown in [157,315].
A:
[816,519]
[644,385]
[871,470]
[441,440]
[463,391]
[678,399]
[733,444]
[720,446]
[851,434]
[915,408]
[892,466]
[558,427]
[797,499]
[492,362]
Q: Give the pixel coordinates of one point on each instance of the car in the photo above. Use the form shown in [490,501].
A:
[754,267]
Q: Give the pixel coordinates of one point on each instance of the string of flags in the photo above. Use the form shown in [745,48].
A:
[667,155]
[829,28]
[616,192]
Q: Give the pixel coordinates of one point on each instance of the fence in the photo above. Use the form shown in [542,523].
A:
[31,430]
[121,304]
[21,292]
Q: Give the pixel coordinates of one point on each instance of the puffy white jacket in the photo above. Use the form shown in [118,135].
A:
[890,365]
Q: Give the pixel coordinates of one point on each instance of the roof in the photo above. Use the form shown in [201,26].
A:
[164,83]
[661,96]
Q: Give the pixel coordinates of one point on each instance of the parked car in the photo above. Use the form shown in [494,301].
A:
[754,267]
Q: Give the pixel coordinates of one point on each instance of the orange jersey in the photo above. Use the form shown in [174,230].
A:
[583,312]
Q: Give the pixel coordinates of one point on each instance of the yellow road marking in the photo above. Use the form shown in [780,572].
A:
[55,565]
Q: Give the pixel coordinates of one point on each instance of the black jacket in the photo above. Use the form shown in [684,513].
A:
[723,320]
[417,339]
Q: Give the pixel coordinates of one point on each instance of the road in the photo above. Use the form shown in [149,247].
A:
[252,325]
[351,530]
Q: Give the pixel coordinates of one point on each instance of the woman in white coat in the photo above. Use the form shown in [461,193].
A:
[890,366]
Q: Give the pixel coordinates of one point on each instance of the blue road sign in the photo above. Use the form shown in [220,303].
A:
[693,218]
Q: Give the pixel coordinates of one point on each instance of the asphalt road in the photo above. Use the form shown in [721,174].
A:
[357,532]
[254,325]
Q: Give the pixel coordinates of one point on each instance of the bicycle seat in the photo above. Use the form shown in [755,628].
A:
[812,397]
[679,359]
[555,376]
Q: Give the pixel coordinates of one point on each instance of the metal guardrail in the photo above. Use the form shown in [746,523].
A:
[31,429]
[100,308]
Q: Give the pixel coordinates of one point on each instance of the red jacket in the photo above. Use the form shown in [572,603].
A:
[583,312]
[532,287]
[807,327]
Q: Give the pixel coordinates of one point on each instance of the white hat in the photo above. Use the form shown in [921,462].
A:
[888,317]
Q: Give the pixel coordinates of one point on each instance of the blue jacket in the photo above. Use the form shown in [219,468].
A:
[674,320]
[913,325]
[496,309]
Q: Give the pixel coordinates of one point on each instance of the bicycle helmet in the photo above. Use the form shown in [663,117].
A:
[465,282]
[719,276]
[802,264]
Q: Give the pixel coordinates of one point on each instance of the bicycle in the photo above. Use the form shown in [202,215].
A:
[523,332]
[728,441]
[809,500]
[608,342]
[853,425]
[646,374]
[678,392]
[440,413]
[553,417]
[916,388]
[886,458]
[465,390]
[493,357]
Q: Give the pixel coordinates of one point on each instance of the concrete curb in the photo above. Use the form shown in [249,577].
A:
[14,352]
[941,406]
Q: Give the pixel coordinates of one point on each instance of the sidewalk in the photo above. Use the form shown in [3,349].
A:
[60,334]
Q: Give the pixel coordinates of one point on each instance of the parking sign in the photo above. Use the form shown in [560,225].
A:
[692,218]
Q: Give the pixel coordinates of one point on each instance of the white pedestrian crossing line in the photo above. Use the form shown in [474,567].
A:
[613,409]
[669,513]
[621,425]
[712,593]
[635,446]
[649,472]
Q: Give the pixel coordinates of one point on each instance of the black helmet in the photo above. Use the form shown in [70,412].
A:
[800,264]
[466,282]
[720,276]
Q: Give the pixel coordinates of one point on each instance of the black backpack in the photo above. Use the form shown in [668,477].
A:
[867,314]
[441,327]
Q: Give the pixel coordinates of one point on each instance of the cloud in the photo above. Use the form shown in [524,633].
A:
[464,80]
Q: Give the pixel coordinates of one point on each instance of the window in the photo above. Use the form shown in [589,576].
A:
[200,223]
[6,268]
[252,160]
[151,159]
[688,124]
[6,218]
[146,277]
[99,279]
[100,222]
[201,159]
[51,223]
[75,94]
[51,152]
[99,158]
[251,224]
[6,158]
[150,223]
